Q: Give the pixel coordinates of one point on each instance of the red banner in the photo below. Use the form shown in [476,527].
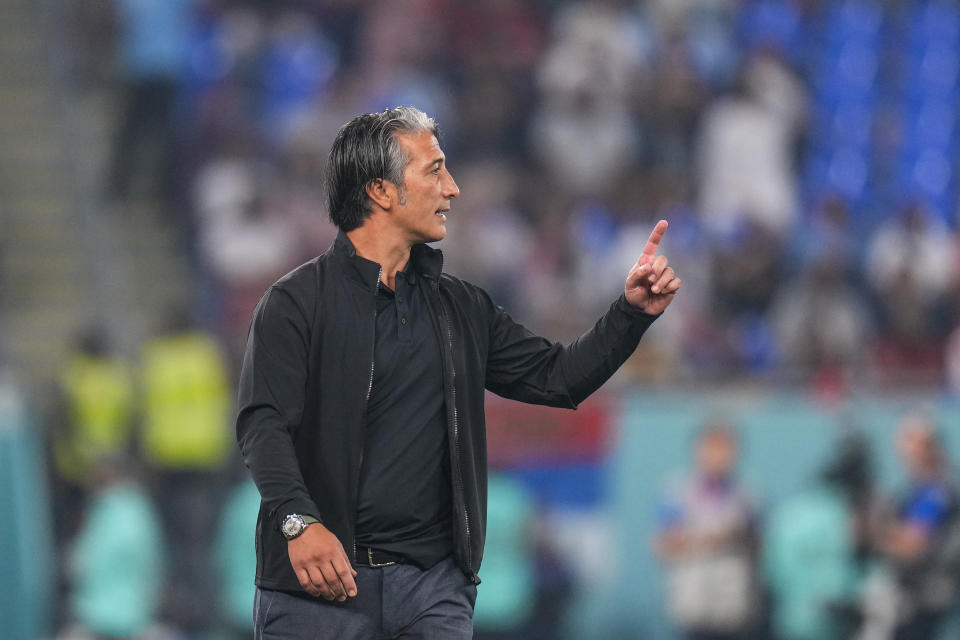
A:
[521,435]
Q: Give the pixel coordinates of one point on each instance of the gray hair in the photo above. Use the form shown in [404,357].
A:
[366,149]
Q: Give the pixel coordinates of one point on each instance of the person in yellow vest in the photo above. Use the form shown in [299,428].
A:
[186,441]
[97,389]
[186,402]
[93,421]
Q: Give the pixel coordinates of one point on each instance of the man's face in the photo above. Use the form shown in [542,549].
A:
[716,455]
[427,190]
[916,446]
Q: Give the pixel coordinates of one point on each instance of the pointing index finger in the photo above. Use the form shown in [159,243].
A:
[653,242]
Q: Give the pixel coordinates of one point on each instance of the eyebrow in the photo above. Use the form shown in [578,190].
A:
[436,161]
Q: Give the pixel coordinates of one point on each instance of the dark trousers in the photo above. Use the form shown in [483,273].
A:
[185,500]
[716,635]
[923,626]
[399,601]
[144,140]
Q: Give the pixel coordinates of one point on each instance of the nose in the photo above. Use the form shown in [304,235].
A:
[451,190]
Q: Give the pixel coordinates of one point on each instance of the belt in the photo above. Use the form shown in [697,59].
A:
[370,557]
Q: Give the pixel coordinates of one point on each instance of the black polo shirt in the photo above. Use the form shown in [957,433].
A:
[405,499]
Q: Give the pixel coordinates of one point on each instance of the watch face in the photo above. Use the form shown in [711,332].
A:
[292,526]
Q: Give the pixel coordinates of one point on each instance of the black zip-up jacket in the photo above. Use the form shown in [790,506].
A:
[307,373]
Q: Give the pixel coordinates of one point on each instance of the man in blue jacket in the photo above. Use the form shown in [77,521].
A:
[361,399]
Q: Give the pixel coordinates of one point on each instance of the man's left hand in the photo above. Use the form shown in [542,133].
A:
[651,284]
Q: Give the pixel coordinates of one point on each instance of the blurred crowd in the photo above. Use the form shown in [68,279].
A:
[807,167]
[837,561]
[808,171]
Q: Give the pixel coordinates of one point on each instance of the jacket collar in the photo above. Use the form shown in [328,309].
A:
[426,261]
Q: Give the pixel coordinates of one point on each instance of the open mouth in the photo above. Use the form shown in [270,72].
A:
[442,213]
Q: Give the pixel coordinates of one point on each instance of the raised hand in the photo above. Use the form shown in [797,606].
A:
[321,564]
[651,284]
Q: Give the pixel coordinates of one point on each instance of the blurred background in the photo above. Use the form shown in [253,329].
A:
[776,460]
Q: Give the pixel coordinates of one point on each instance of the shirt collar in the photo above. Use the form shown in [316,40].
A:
[424,260]
[410,272]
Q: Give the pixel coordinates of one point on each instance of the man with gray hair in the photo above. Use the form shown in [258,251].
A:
[361,400]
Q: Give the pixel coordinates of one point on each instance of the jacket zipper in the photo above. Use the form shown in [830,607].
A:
[366,401]
[455,427]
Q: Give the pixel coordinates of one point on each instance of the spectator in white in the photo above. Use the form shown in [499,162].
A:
[746,149]
[603,46]
[583,133]
[708,541]
[585,141]
[244,242]
[911,268]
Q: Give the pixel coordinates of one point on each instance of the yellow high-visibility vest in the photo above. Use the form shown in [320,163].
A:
[99,398]
[186,403]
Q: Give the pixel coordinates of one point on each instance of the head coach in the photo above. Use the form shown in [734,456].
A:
[361,400]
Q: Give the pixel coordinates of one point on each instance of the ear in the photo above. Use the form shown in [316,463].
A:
[382,193]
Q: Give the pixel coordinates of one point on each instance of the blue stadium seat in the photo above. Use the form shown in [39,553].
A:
[934,20]
[857,21]
[843,170]
[772,23]
[849,72]
[930,123]
[933,72]
[848,124]
[929,173]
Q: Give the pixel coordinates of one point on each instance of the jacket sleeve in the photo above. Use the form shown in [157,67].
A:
[270,401]
[525,367]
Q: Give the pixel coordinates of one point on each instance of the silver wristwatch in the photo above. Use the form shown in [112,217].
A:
[294,524]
